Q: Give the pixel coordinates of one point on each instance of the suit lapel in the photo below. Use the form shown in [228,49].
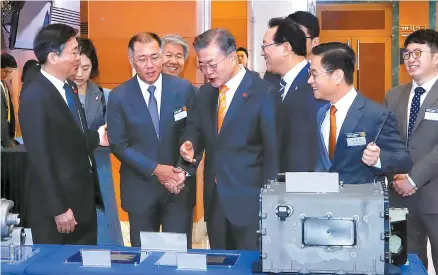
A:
[402,109]
[92,102]
[430,99]
[324,156]
[213,103]
[239,98]
[138,103]
[354,115]
[166,112]
[3,91]
[299,80]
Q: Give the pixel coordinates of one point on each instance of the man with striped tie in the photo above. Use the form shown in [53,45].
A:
[235,121]
[284,49]
[416,106]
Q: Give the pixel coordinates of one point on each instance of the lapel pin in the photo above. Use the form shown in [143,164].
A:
[244,95]
[97,97]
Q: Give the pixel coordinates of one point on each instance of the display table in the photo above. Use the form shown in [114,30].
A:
[55,263]
[44,251]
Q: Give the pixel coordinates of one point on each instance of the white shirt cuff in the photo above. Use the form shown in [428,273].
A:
[411,181]
[378,164]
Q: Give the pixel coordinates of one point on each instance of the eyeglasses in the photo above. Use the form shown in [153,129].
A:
[143,59]
[75,51]
[415,54]
[204,67]
[314,75]
[267,45]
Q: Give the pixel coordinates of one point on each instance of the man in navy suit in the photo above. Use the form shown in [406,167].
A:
[64,191]
[146,116]
[235,122]
[358,138]
[284,49]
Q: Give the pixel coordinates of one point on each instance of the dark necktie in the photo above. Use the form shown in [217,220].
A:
[282,87]
[72,103]
[415,108]
[153,110]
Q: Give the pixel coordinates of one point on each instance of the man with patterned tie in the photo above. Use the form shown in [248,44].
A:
[8,64]
[146,118]
[284,49]
[235,122]
[358,138]
[416,106]
[63,191]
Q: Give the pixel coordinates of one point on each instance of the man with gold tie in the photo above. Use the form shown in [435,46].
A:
[235,121]
[358,138]
[8,64]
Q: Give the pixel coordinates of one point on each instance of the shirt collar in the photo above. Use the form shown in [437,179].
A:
[144,86]
[290,76]
[426,86]
[345,102]
[234,82]
[55,81]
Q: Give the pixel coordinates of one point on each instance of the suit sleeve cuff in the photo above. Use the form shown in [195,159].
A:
[411,181]
[378,164]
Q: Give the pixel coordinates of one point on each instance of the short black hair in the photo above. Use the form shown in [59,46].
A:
[8,61]
[242,49]
[428,36]
[144,37]
[308,20]
[88,49]
[337,55]
[289,31]
[52,38]
[30,69]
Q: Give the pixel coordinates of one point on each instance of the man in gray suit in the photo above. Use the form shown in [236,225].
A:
[416,107]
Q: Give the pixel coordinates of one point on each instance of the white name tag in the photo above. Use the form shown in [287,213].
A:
[431,114]
[180,113]
[356,139]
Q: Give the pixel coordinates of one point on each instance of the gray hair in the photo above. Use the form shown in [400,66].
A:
[221,37]
[176,40]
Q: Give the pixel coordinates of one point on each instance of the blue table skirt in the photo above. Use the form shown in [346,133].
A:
[55,264]
[44,251]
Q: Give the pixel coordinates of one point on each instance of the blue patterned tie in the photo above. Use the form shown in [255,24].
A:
[282,87]
[153,110]
[72,103]
[415,108]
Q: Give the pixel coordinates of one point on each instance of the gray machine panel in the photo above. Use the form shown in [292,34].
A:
[341,233]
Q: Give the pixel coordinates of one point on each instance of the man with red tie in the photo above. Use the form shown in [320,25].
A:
[235,121]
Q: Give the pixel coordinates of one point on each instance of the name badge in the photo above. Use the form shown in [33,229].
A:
[431,114]
[180,113]
[356,139]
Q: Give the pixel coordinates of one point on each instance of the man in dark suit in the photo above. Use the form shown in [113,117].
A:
[309,24]
[416,107]
[146,117]
[235,122]
[358,138]
[63,191]
[284,49]
[8,64]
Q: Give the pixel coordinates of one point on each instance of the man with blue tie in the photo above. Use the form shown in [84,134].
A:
[358,138]
[63,191]
[416,107]
[235,122]
[146,117]
[284,49]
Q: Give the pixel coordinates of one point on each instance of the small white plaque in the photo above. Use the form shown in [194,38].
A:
[192,261]
[312,182]
[96,258]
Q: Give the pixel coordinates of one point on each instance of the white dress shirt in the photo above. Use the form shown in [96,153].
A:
[232,85]
[158,90]
[59,84]
[290,76]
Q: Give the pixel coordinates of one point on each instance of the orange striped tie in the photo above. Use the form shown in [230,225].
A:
[332,136]
[222,109]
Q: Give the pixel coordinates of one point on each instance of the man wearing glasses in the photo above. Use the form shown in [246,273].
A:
[284,49]
[146,117]
[235,122]
[416,106]
[357,137]
[63,192]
